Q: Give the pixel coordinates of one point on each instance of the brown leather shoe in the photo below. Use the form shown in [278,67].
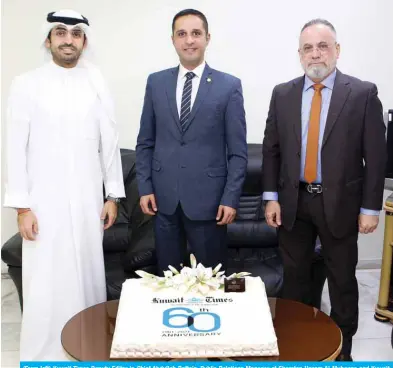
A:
[344,358]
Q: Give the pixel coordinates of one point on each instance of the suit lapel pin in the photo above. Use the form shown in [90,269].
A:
[208,79]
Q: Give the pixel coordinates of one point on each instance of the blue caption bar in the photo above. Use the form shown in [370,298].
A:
[205,364]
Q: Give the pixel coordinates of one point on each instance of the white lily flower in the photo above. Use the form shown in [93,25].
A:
[178,279]
[173,269]
[217,268]
[203,289]
[191,281]
[203,273]
[193,261]
[242,274]
[213,283]
[168,274]
[144,274]
[169,283]
[220,274]
[197,278]
[188,272]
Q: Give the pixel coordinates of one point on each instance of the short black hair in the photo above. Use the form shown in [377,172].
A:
[191,12]
[319,21]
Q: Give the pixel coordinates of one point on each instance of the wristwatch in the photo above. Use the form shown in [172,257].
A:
[113,199]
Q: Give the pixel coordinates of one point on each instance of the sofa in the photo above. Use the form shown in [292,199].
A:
[129,244]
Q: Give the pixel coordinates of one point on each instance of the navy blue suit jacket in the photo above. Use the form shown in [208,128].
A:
[203,165]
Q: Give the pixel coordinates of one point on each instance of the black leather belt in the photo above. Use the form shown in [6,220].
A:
[311,188]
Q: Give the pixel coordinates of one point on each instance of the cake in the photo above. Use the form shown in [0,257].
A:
[188,314]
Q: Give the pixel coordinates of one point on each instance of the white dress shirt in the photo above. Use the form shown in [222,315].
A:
[181,79]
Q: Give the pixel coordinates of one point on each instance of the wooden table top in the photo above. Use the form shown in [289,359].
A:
[304,333]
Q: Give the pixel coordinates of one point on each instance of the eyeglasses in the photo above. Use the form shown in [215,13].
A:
[321,47]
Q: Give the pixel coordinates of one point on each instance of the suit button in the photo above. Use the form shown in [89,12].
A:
[298,154]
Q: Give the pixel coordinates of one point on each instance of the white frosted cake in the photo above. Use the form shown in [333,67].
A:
[189,315]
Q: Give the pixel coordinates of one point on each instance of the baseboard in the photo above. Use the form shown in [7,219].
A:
[4,267]
[369,264]
[389,184]
[5,275]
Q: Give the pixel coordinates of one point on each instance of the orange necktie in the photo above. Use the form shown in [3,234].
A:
[310,169]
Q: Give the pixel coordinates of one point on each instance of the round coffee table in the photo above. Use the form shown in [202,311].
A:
[304,333]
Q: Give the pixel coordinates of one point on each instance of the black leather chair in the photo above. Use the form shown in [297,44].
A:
[129,244]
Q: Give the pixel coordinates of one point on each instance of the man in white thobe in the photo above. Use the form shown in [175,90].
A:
[62,148]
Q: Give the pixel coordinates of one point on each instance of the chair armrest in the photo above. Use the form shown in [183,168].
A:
[141,252]
[251,234]
[11,252]
[116,238]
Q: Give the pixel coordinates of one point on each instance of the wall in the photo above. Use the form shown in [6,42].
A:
[255,40]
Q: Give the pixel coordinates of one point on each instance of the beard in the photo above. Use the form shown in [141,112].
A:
[318,71]
[66,59]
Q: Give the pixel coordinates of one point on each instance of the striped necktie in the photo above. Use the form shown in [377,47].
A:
[185,109]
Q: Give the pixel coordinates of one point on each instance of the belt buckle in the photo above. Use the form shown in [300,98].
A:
[314,188]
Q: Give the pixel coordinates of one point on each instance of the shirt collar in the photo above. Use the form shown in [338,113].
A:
[198,71]
[327,82]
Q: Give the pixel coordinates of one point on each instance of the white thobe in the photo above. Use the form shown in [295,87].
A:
[62,147]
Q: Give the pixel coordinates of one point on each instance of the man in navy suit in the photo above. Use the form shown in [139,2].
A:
[191,152]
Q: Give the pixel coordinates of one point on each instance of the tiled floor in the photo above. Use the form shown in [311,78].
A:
[10,323]
[372,341]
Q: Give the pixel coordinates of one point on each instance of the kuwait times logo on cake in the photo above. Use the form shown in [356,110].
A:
[193,316]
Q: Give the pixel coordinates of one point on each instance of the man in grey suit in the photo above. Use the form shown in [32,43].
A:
[191,153]
[324,155]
